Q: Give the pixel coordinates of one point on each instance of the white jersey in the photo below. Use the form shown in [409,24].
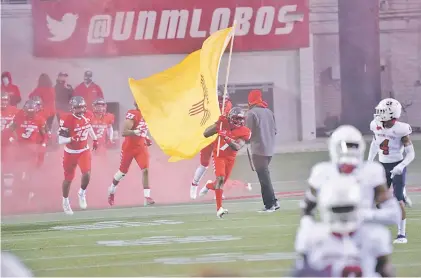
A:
[346,255]
[389,141]
[369,175]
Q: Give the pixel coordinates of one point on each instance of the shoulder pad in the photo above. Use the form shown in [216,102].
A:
[403,129]
[319,174]
[373,126]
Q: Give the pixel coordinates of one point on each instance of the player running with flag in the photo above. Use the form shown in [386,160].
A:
[233,135]
[206,153]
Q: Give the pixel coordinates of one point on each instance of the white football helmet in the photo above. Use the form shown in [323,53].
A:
[346,148]
[388,109]
[339,204]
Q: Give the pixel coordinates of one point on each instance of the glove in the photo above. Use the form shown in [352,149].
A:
[226,135]
[221,120]
[11,139]
[95,145]
[44,145]
[397,170]
[148,142]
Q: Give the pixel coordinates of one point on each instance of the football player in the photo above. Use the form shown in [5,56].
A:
[346,150]
[102,123]
[75,128]
[135,146]
[30,134]
[42,113]
[206,153]
[390,141]
[8,112]
[342,243]
[232,136]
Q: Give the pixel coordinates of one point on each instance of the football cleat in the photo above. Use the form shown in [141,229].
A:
[267,210]
[221,212]
[193,191]
[67,209]
[400,239]
[205,189]
[82,200]
[148,201]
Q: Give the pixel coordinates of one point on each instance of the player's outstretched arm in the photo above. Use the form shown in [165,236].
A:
[389,213]
[210,131]
[374,150]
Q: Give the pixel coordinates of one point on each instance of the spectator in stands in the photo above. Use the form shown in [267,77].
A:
[88,89]
[63,94]
[11,89]
[261,121]
[45,91]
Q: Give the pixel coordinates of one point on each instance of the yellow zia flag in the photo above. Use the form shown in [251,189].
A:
[179,103]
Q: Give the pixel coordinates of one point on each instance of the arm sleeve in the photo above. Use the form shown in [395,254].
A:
[110,131]
[388,214]
[374,150]
[92,133]
[409,155]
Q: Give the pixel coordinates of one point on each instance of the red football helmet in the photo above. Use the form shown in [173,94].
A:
[30,108]
[77,105]
[237,117]
[99,106]
[5,100]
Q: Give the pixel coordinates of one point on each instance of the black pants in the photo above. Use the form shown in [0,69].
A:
[261,164]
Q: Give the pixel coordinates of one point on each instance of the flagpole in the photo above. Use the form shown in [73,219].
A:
[226,82]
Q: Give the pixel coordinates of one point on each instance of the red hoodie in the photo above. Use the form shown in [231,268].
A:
[11,89]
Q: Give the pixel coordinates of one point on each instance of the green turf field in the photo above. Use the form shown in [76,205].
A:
[176,241]
[184,240]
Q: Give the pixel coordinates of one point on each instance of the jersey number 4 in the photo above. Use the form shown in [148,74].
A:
[384,146]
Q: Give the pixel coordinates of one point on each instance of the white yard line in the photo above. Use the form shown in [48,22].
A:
[136,231]
[169,250]
[149,262]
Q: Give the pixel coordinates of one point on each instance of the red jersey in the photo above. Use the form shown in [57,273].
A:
[29,129]
[101,125]
[138,123]
[7,115]
[89,92]
[78,128]
[225,150]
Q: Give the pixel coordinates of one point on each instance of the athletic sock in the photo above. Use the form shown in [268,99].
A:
[147,193]
[198,175]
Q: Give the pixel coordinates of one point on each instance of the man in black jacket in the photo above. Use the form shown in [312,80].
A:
[63,94]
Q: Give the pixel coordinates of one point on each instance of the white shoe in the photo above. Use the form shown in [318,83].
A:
[67,209]
[249,188]
[82,200]
[193,191]
[400,239]
[204,190]
[408,202]
[221,212]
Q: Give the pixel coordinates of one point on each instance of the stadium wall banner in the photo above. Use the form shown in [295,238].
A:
[98,28]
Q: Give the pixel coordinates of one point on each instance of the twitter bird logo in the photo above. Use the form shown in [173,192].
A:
[62,29]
